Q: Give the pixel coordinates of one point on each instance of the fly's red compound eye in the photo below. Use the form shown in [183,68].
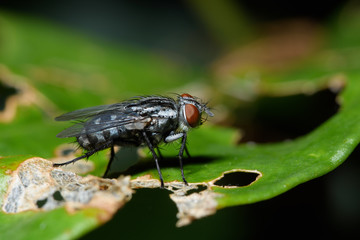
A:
[192,113]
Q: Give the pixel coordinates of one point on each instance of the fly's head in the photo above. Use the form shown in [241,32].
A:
[191,111]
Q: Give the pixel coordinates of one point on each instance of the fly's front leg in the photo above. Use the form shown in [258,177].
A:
[181,152]
[147,140]
[173,136]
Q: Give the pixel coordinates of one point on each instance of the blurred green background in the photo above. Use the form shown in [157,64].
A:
[198,35]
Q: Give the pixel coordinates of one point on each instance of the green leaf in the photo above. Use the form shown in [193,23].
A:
[48,225]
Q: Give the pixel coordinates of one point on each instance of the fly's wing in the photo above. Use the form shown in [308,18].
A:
[85,113]
[106,119]
[114,119]
[82,115]
[73,131]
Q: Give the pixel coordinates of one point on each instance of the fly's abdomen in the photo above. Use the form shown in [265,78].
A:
[100,139]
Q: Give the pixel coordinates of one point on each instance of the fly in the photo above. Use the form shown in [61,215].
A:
[143,121]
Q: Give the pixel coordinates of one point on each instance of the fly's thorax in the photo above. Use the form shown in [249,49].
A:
[138,125]
[163,120]
[160,110]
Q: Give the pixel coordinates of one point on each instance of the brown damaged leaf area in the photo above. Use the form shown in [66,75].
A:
[36,185]
[194,206]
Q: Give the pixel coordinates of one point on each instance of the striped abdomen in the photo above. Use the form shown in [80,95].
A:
[100,139]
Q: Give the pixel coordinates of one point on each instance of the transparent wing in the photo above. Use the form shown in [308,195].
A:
[89,112]
[103,121]
[72,131]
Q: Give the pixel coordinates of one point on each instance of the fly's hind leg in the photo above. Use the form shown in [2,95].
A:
[86,155]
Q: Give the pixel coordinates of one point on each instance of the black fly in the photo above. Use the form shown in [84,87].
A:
[140,121]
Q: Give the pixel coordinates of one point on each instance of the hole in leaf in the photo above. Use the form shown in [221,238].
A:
[57,196]
[237,179]
[5,92]
[41,203]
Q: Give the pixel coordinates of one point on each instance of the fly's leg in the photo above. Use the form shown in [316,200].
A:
[154,156]
[86,155]
[181,152]
[112,157]
[159,154]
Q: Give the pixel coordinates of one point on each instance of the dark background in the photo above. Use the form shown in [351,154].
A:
[170,27]
[327,207]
